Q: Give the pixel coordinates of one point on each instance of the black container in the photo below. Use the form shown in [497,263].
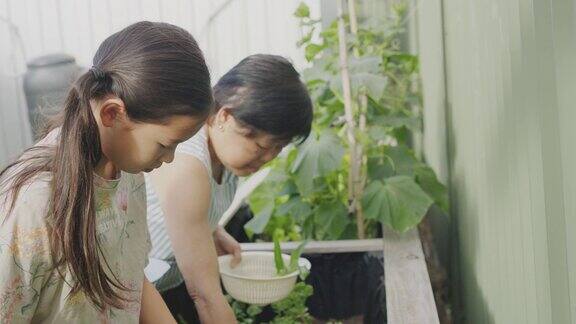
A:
[347,285]
[46,84]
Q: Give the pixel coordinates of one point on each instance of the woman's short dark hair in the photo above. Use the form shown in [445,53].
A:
[265,93]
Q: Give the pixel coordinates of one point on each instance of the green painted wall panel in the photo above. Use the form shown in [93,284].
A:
[499,84]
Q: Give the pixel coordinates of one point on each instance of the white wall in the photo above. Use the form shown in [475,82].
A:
[77,27]
[14,128]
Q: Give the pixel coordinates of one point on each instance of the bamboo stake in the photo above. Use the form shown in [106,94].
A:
[348,113]
[354,180]
[359,156]
[352,15]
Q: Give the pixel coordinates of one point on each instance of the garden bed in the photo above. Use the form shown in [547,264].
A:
[409,297]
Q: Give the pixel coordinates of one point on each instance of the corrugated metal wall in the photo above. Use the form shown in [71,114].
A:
[499,82]
[77,27]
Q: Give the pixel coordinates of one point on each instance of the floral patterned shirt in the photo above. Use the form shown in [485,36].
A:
[31,291]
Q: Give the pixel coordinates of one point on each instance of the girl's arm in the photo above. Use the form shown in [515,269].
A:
[183,189]
[153,308]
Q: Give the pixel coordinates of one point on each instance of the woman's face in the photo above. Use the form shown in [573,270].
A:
[241,150]
[135,146]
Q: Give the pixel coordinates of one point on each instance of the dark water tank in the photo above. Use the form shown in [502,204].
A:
[46,84]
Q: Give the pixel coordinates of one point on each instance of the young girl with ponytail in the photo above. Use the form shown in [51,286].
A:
[73,234]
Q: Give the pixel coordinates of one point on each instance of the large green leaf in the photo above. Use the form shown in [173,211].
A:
[378,133]
[261,218]
[262,200]
[372,82]
[402,158]
[379,167]
[365,64]
[296,208]
[331,220]
[364,74]
[395,160]
[397,202]
[427,180]
[313,73]
[317,157]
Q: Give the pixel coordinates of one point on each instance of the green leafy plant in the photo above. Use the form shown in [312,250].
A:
[357,169]
[244,313]
[289,310]
[292,309]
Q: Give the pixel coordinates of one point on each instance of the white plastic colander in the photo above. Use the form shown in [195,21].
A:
[254,280]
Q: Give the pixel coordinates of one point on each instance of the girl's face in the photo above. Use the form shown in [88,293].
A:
[135,146]
[241,150]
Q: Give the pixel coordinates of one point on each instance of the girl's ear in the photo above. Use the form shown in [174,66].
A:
[112,109]
[222,116]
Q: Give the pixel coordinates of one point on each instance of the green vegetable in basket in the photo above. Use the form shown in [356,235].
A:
[281,268]
[278,260]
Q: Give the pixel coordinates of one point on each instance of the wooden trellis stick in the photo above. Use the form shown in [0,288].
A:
[353,176]
[357,179]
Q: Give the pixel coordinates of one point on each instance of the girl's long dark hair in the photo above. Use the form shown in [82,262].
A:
[158,71]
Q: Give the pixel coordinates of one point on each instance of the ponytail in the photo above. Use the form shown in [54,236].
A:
[72,212]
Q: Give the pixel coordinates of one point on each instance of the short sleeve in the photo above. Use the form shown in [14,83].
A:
[197,146]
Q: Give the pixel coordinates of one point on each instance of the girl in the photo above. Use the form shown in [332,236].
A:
[261,106]
[73,235]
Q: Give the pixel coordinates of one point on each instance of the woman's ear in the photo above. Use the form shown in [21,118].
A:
[112,109]
[222,116]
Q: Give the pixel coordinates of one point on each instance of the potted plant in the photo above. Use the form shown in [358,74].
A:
[357,171]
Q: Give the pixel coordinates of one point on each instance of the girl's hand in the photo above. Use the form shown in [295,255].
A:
[226,244]
[153,309]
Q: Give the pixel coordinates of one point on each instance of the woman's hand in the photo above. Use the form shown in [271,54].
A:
[226,244]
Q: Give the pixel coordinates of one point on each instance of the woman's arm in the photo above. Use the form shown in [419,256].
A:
[183,189]
[153,308]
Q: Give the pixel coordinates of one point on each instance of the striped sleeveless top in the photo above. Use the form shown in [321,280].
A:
[222,195]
